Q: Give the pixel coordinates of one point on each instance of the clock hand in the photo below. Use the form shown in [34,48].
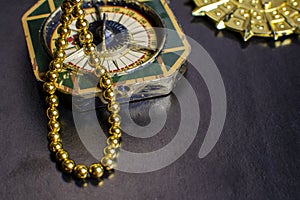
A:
[103,32]
[139,48]
[101,18]
[98,12]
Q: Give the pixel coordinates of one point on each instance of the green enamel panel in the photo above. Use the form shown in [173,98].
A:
[168,23]
[150,70]
[86,82]
[171,58]
[160,10]
[57,3]
[157,6]
[66,82]
[42,9]
[41,56]
[173,40]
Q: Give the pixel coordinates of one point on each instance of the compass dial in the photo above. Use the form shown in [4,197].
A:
[125,35]
[264,18]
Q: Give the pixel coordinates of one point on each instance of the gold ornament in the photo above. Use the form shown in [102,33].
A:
[263,18]
[81,171]
[110,150]
[61,155]
[96,170]
[108,162]
[54,125]
[68,166]
[54,137]
[55,146]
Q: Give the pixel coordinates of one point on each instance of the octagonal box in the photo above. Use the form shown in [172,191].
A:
[155,79]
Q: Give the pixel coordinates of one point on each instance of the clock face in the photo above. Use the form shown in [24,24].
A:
[127,35]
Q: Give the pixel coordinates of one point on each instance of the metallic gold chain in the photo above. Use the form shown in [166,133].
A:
[72,10]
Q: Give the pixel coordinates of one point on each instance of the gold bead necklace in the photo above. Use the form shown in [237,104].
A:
[72,10]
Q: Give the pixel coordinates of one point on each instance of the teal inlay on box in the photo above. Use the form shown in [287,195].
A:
[42,9]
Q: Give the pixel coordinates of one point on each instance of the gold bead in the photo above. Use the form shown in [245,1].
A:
[61,43]
[114,119]
[106,82]
[78,12]
[94,54]
[110,150]
[82,24]
[85,37]
[109,94]
[52,100]
[116,131]
[96,170]
[113,141]
[88,48]
[54,137]
[60,54]
[63,31]
[56,65]
[49,87]
[80,171]
[54,125]
[75,2]
[94,59]
[68,166]
[107,162]
[52,75]
[55,146]
[100,71]
[118,135]
[67,7]
[113,107]
[52,113]
[61,155]
[66,19]
[61,49]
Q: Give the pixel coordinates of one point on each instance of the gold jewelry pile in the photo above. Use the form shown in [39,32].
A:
[262,18]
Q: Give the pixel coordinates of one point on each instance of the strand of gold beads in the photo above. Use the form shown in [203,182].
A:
[72,10]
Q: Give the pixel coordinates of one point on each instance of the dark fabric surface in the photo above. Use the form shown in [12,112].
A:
[255,158]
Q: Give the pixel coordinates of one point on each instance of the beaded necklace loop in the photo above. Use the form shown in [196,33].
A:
[72,10]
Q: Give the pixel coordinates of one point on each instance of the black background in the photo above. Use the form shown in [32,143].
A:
[255,158]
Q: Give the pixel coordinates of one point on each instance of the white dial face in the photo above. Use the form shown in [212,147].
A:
[124,38]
